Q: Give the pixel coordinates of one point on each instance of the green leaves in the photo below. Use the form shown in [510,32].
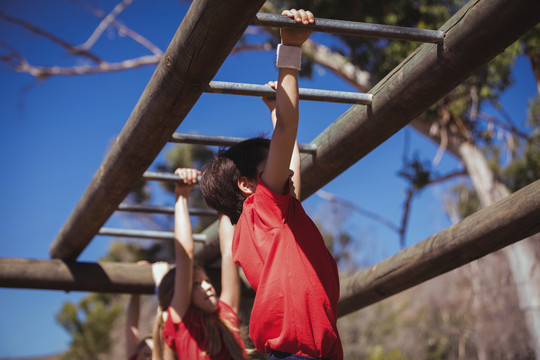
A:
[89,323]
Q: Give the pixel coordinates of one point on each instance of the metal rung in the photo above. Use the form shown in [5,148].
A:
[150,175]
[226,141]
[353,28]
[168,210]
[221,87]
[146,234]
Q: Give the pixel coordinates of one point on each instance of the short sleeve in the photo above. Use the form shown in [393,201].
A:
[172,329]
[271,206]
[228,313]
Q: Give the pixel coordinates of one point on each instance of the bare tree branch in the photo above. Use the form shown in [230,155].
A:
[405,217]
[38,31]
[449,176]
[122,29]
[21,64]
[44,72]
[509,127]
[406,208]
[104,25]
[334,199]
[14,58]
[408,202]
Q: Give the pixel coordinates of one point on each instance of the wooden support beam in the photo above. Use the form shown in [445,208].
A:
[58,274]
[488,230]
[472,38]
[504,223]
[209,252]
[105,277]
[201,44]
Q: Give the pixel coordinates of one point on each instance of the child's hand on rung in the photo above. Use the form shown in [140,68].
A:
[295,37]
[189,178]
[270,101]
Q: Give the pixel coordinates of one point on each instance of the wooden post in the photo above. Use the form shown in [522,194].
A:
[201,44]
[58,274]
[506,222]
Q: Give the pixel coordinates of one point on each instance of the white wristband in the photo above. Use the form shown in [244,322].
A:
[289,57]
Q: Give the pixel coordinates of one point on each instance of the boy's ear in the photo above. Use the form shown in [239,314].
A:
[246,186]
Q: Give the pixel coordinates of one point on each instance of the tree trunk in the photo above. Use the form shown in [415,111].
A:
[521,255]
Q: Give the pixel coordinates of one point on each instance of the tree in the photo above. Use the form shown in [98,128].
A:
[455,122]
[89,323]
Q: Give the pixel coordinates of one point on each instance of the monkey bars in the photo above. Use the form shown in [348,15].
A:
[225,141]
[168,210]
[221,87]
[204,39]
[354,28]
[145,234]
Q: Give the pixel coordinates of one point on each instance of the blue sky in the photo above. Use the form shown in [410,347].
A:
[55,133]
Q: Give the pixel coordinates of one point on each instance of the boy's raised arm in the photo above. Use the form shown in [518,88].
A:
[276,170]
[295,165]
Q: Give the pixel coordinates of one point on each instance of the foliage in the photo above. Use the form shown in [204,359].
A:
[531,42]
[129,252]
[465,200]
[377,353]
[526,169]
[533,117]
[89,323]
[379,56]
[416,172]
[339,244]
[523,170]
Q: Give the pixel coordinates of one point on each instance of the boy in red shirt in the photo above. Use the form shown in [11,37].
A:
[279,248]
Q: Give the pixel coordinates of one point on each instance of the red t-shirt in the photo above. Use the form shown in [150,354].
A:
[187,338]
[295,277]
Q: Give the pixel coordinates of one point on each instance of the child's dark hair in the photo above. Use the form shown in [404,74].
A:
[219,182]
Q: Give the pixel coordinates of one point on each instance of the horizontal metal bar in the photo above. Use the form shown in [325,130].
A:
[145,234]
[221,87]
[353,28]
[226,141]
[168,210]
[159,176]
